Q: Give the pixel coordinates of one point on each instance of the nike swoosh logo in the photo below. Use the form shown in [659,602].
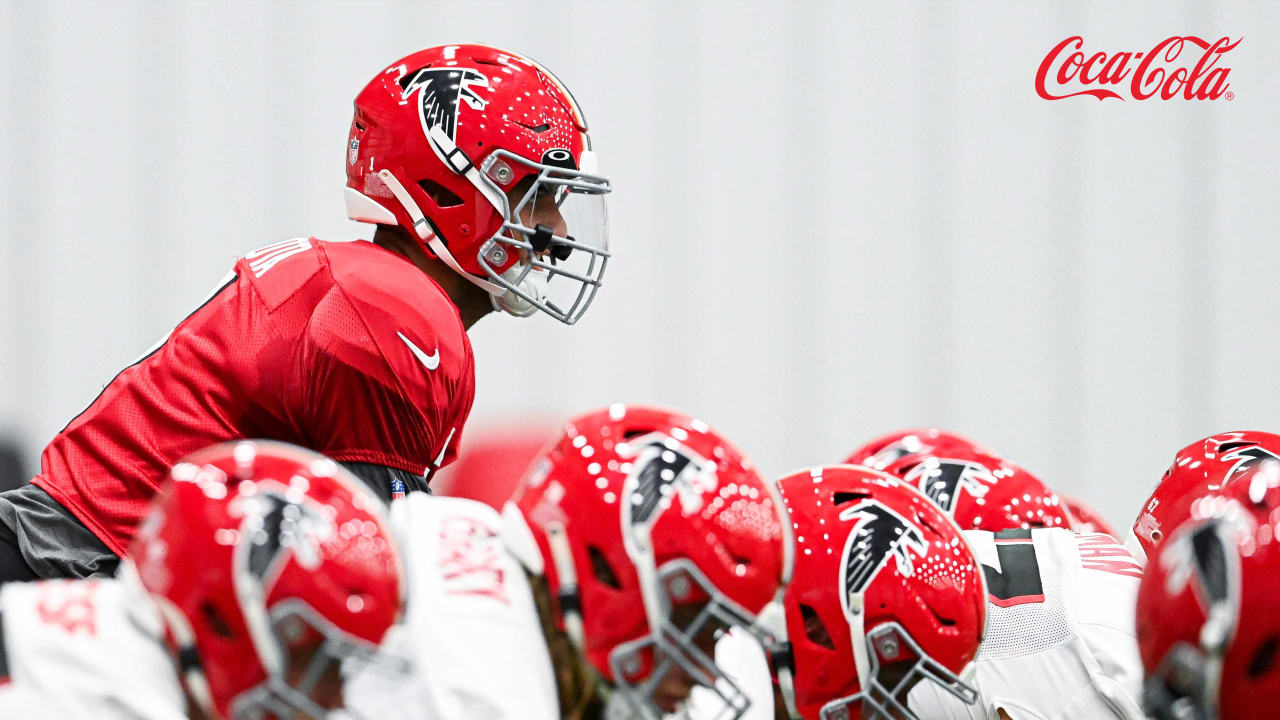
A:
[431,361]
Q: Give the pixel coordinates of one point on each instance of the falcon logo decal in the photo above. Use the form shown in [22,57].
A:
[893,452]
[878,534]
[662,468]
[275,529]
[942,481]
[1247,458]
[441,89]
[1204,555]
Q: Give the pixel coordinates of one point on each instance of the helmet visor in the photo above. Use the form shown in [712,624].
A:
[557,224]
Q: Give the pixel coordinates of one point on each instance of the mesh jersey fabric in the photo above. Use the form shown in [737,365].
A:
[1072,655]
[344,348]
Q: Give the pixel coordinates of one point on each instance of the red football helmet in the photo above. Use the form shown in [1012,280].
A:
[1203,467]
[1085,520]
[981,491]
[256,552]
[483,155]
[653,533]
[883,579]
[888,449]
[1207,624]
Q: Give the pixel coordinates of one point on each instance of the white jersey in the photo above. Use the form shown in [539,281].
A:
[84,650]
[471,627]
[1059,641]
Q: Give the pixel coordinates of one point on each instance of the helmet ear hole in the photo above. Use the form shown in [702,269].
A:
[1264,658]
[442,196]
[815,629]
[841,498]
[216,621]
[601,569]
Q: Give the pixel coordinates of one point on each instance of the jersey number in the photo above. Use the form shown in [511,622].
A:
[1018,580]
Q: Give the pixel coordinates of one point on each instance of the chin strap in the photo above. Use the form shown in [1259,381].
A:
[567,592]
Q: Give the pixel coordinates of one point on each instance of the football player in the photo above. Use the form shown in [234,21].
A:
[1207,621]
[1059,640]
[476,167]
[261,571]
[599,591]
[886,595]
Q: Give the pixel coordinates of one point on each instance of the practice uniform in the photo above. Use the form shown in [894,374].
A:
[471,627]
[1059,641]
[345,348]
[84,650]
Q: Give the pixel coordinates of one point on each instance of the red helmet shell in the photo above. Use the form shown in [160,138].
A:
[484,99]
[917,571]
[888,449]
[712,507]
[982,491]
[1203,467]
[1222,563]
[270,521]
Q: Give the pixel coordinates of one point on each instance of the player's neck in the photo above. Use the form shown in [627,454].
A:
[472,302]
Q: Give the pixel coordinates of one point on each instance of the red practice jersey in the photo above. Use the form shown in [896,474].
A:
[345,348]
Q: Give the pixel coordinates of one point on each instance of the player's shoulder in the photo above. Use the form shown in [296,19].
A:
[279,269]
[391,289]
[390,307]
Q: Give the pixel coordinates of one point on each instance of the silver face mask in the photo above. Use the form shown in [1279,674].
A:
[880,700]
[557,274]
[673,646]
[349,656]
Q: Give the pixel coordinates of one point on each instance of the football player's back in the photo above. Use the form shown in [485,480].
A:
[1059,641]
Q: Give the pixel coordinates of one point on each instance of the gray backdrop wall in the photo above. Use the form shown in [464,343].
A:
[830,218]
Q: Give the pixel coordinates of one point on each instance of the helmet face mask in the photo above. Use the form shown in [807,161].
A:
[680,642]
[558,274]
[316,653]
[880,699]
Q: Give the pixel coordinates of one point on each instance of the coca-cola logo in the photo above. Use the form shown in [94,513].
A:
[1183,66]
